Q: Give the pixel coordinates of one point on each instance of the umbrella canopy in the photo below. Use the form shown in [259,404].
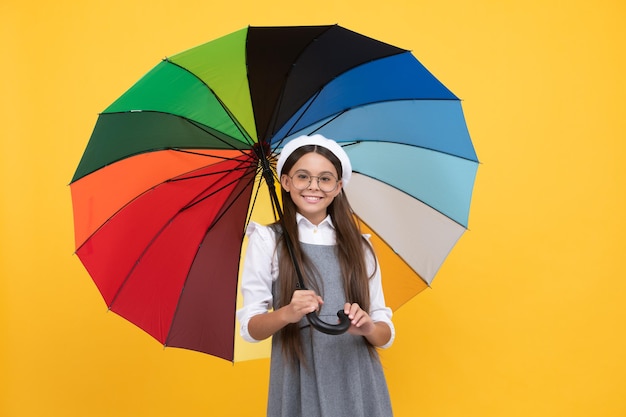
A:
[171,175]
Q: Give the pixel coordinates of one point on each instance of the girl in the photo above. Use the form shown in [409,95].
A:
[312,373]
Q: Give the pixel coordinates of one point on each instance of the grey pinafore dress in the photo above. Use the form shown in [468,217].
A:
[342,378]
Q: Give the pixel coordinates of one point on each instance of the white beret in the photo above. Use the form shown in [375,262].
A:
[319,140]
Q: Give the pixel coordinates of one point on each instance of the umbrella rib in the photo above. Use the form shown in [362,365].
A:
[202,127]
[224,106]
[277,107]
[356,142]
[412,196]
[215,221]
[162,148]
[161,229]
[317,93]
[228,184]
[372,231]
[256,196]
[196,124]
[189,177]
[169,180]
[225,158]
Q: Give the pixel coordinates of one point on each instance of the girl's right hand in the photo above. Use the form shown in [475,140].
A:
[302,303]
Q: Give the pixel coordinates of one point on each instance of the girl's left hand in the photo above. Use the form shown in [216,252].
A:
[361,323]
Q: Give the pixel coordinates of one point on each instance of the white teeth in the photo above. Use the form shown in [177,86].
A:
[308,198]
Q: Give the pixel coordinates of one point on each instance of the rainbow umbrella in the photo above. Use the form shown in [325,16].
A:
[172,173]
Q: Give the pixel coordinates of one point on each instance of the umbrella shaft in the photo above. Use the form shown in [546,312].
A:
[269,180]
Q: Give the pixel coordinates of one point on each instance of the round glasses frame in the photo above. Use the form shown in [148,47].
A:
[326,182]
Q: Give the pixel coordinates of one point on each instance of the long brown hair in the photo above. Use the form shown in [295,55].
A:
[350,247]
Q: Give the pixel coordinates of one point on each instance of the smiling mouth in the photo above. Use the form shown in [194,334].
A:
[311,198]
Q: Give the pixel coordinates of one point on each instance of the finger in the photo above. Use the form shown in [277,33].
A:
[303,296]
[312,301]
[363,320]
[347,308]
[354,310]
[358,318]
[304,293]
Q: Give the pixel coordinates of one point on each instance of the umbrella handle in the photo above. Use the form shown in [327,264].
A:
[332,329]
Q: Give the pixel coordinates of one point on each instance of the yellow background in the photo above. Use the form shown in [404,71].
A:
[527,316]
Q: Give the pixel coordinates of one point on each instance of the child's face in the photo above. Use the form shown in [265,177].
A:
[311,202]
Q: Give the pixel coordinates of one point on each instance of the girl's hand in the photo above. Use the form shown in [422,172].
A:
[361,323]
[302,303]
[262,326]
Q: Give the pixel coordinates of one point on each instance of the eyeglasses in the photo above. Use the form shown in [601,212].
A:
[325,182]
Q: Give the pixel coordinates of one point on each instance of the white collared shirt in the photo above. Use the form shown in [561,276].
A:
[260,270]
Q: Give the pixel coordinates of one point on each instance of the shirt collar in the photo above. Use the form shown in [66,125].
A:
[303,221]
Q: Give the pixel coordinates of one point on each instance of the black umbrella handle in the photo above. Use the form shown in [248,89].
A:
[332,329]
[314,320]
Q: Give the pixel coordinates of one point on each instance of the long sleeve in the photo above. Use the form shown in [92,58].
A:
[259,272]
[379,312]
